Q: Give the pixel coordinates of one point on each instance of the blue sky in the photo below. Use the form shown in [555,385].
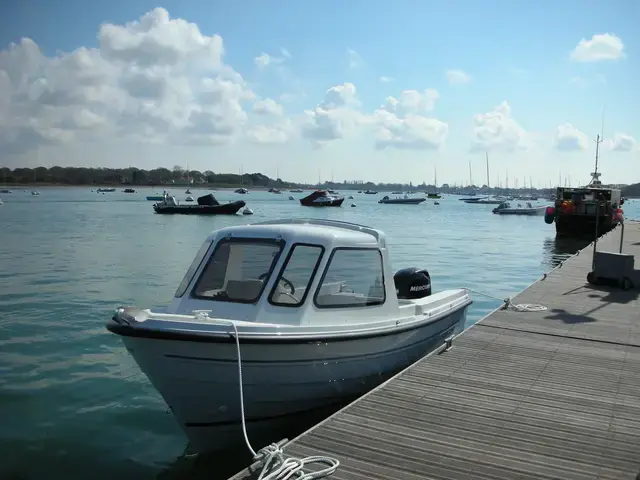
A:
[513,52]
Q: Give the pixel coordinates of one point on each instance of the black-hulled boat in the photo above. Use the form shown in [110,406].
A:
[577,211]
[406,200]
[321,198]
[207,205]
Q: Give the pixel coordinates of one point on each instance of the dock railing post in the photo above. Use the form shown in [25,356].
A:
[621,235]
[595,241]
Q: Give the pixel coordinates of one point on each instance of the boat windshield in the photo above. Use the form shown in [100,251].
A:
[193,268]
[238,270]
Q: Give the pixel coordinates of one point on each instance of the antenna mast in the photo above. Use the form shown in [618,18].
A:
[595,176]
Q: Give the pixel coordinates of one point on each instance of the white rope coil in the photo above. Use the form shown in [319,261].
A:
[508,305]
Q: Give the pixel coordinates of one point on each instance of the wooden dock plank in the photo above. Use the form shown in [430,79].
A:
[522,395]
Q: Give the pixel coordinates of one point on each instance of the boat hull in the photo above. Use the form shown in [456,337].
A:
[403,201]
[223,209]
[333,203]
[583,225]
[283,382]
[516,211]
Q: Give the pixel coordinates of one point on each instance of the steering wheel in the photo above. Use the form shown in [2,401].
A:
[287,283]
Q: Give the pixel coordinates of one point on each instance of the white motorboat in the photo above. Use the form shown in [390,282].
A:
[505,208]
[320,319]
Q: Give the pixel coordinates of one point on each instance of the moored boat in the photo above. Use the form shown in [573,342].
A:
[313,309]
[579,212]
[321,198]
[207,205]
[405,200]
[485,201]
[505,208]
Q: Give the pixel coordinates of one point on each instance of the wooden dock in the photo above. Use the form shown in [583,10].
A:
[521,395]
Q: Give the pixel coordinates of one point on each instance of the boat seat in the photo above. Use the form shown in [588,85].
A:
[244,289]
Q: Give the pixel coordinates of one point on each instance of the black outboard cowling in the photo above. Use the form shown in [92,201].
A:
[412,282]
[208,200]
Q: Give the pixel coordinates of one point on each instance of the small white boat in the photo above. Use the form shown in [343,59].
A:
[189,199]
[505,208]
[318,315]
[35,192]
[247,211]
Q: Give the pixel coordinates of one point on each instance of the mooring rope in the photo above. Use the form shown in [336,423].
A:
[276,465]
[509,305]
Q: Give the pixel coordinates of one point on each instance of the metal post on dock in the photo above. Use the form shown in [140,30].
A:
[621,235]
[595,241]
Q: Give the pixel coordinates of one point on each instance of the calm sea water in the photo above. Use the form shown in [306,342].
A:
[73,402]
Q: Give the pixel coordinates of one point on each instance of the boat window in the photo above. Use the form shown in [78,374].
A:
[193,268]
[238,270]
[353,278]
[292,286]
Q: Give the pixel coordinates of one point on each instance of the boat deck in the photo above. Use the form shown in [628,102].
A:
[521,395]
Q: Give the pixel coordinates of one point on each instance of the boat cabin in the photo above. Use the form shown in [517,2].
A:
[292,272]
[582,201]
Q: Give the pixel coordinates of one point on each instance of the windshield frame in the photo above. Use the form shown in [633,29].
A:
[196,263]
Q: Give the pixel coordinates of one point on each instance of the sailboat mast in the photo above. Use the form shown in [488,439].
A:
[435,176]
[470,176]
[487,156]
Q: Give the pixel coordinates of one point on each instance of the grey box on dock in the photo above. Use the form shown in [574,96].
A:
[614,265]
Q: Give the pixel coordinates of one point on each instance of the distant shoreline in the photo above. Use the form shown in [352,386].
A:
[31,186]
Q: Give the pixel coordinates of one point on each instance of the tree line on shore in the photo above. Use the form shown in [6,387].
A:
[176,176]
[180,176]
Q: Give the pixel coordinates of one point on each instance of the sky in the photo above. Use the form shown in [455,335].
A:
[360,90]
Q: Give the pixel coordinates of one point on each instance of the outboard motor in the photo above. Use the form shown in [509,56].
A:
[412,283]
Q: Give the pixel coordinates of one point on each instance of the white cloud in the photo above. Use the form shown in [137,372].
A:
[335,117]
[457,77]
[605,46]
[409,132]
[568,138]
[264,59]
[497,130]
[401,122]
[384,79]
[156,78]
[354,60]
[412,101]
[621,142]
[279,133]
[267,107]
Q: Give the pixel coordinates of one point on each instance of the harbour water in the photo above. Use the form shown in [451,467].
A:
[73,402]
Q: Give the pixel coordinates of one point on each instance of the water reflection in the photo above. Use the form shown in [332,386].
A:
[556,250]
[223,465]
